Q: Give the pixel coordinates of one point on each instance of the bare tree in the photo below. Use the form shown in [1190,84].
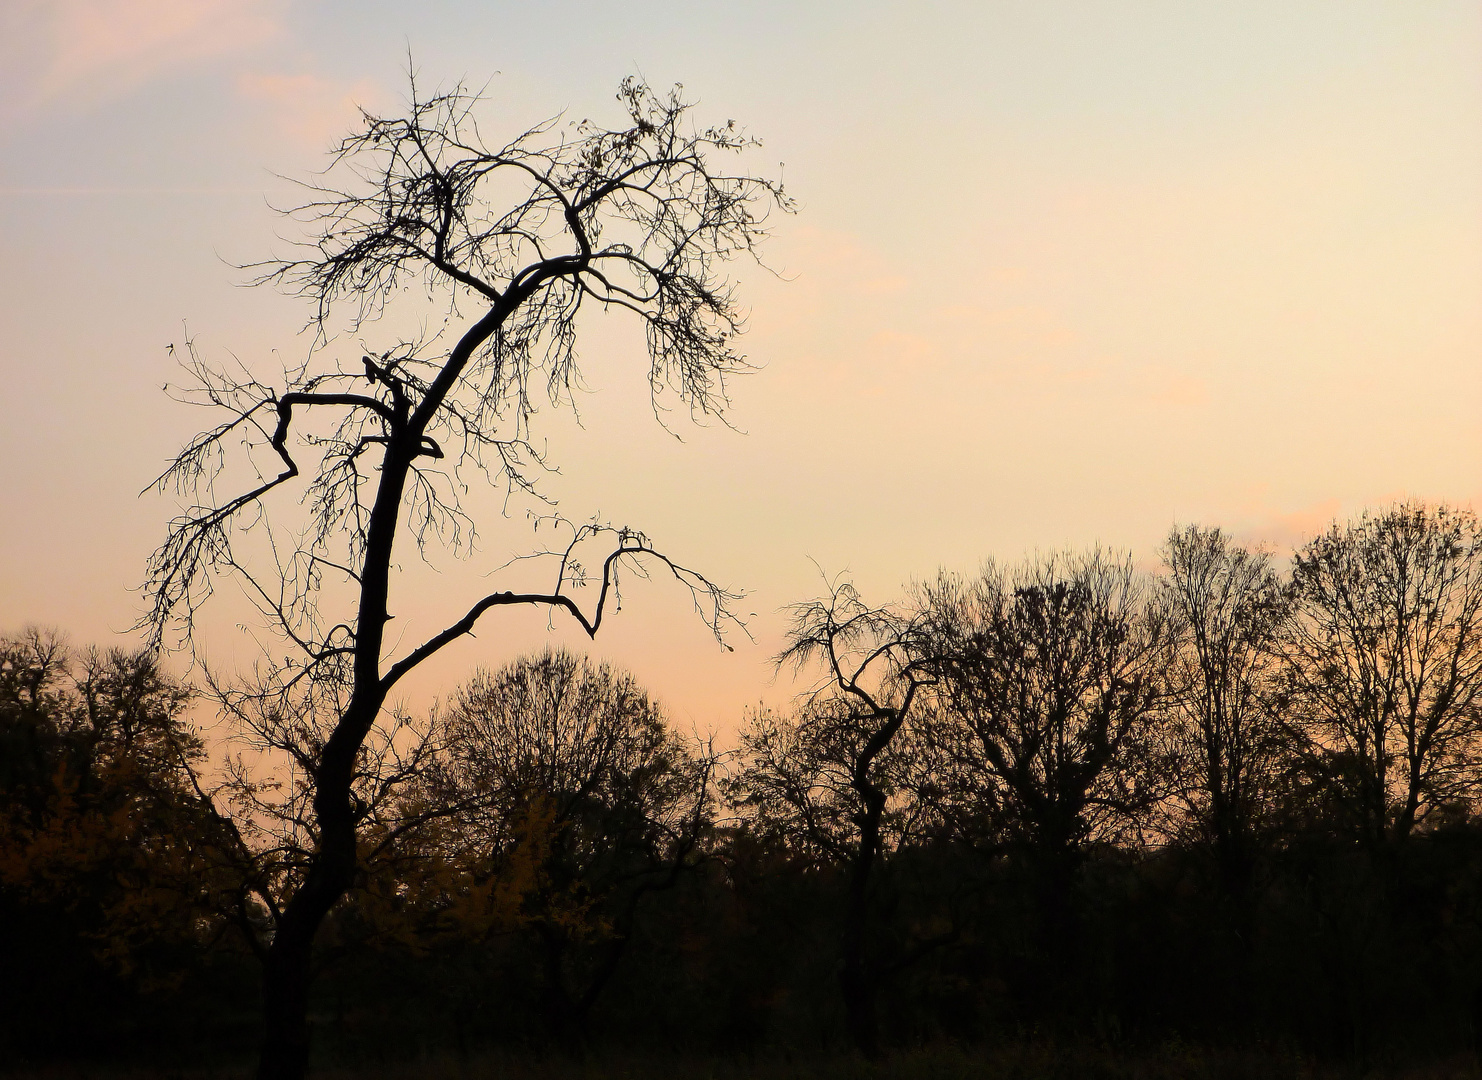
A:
[1058,671]
[575,800]
[1229,604]
[508,244]
[833,776]
[1384,662]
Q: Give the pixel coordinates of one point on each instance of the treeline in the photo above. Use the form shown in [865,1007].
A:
[1226,803]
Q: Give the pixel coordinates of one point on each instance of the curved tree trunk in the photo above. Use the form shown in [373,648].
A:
[288,973]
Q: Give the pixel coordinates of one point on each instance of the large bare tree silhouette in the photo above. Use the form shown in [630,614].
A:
[511,243]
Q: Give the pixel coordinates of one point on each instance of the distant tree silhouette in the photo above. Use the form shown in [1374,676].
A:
[831,778]
[572,799]
[1228,605]
[507,245]
[1383,671]
[1058,669]
[1060,801]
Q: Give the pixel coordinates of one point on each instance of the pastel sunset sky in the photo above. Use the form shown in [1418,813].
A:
[1063,273]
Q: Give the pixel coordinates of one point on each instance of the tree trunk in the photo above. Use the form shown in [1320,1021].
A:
[285,988]
[1060,955]
[857,983]
[285,1045]
[288,972]
[561,1022]
[856,980]
[859,1008]
[285,1004]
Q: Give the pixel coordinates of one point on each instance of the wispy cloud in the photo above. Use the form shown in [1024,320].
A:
[87,51]
[81,190]
[1284,531]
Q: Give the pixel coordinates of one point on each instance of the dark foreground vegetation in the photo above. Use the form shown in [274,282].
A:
[1063,819]
[1019,1061]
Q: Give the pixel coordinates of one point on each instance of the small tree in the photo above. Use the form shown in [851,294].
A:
[572,800]
[510,244]
[833,779]
[1383,663]
[96,802]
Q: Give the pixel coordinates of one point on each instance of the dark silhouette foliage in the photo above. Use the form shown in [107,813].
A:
[1067,808]
[112,884]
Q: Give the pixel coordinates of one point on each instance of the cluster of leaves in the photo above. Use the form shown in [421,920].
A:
[542,804]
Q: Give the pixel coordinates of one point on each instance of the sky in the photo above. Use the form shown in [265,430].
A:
[1062,274]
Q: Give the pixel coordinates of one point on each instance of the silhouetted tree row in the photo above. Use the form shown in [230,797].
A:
[1065,799]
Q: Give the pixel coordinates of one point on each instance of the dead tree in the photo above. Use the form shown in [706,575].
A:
[509,245]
